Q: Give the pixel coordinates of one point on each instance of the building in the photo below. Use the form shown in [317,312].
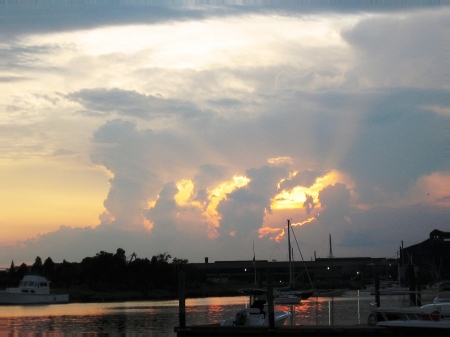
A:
[431,257]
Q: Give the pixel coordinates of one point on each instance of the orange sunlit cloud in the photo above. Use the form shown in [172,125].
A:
[269,231]
[185,193]
[215,196]
[295,197]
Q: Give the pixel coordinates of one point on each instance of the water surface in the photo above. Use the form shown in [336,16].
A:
[158,318]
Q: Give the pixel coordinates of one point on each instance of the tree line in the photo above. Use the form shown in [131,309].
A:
[113,272]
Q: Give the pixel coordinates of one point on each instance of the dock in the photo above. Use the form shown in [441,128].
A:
[215,330]
[310,331]
[303,331]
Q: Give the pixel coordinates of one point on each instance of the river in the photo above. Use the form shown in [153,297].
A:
[158,318]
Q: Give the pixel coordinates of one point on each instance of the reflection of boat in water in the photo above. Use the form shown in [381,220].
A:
[33,289]
[255,315]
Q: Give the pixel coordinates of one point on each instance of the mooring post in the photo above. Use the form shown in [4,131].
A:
[270,298]
[377,287]
[419,290]
[182,297]
[412,284]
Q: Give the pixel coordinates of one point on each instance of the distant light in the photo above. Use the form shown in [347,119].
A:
[245,269]
[357,272]
[328,267]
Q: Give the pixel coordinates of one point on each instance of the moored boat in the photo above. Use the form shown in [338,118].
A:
[329,292]
[427,312]
[255,315]
[33,289]
[287,298]
[444,293]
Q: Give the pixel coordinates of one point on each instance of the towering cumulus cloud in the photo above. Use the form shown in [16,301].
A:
[196,131]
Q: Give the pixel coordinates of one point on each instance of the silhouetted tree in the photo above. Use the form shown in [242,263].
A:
[48,268]
[37,266]
[11,271]
[23,270]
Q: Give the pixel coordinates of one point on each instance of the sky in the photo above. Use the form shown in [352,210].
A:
[200,129]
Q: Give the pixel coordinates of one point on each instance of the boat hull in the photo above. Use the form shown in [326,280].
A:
[259,320]
[17,298]
[330,293]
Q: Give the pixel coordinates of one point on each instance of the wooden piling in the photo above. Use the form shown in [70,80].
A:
[377,287]
[182,297]
[419,290]
[270,298]
[412,284]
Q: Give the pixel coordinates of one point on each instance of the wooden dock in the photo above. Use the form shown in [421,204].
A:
[304,331]
[310,330]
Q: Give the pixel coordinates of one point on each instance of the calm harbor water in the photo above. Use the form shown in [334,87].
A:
[158,318]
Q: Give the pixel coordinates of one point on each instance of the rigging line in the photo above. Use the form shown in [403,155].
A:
[307,273]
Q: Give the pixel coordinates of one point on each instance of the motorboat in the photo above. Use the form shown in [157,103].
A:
[283,298]
[427,312]
[329,292]
[444,293]
[391,289]
[333,292]
[33,289]
[255,314]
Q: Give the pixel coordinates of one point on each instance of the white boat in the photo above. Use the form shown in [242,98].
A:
[427,312]
[255,315]
[444,293]
[287,299]
[33,289]
[329,293]
[287,296]
[431,317]
[391,289]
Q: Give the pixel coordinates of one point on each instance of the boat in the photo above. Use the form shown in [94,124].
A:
[33,289]
[288,295]
[443,293]
[330,292]
[255,315]
[287,298]
[427,312]
[391,288]
[433,317]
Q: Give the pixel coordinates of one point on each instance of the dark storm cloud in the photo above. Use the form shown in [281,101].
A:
[243,210]
[392,225]
[398,140]
[131,103]
[305,179]
[24,20]
[40,19]
[11,79]
[400,52]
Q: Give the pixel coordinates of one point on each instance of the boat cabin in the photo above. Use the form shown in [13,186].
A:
[32,284]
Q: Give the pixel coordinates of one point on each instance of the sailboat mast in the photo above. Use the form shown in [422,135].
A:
[290,256]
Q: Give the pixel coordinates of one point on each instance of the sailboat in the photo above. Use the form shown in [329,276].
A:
[288,296]
[330,292]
